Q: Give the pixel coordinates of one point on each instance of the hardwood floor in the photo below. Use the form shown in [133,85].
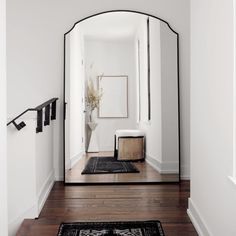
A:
[147,173]
[167,203]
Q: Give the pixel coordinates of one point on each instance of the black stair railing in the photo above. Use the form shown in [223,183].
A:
[50,108]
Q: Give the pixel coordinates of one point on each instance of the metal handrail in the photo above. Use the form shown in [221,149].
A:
[50,104]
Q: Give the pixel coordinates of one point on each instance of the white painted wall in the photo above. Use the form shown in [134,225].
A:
[112,58]
[3,148]
[44,163]
[162,144]
[212,203]
[114,100]
[35,59]
[142,69]
[169,99]
[153,128]
[22,181]
[74,96]
[30,171]
[67,100]
[76,81]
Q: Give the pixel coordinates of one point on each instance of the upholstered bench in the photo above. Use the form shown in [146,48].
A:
[129,145]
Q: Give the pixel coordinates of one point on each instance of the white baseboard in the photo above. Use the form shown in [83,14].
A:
[45,190]
[59,174]
[14,225]
[185,171]
[163,167]
[33,211]
[185,177]
[106,148]
[76,158]
[197,220]
[153,162]
[59,178]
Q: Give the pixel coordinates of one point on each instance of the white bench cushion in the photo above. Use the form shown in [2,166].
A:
[128,133]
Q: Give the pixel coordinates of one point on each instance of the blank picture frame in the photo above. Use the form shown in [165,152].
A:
[114,101]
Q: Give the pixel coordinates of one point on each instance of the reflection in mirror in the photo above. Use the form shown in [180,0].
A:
[114,99]
[121,90]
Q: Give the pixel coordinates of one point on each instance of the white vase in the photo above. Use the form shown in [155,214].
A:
[91,117]
[92,125]
[93,142]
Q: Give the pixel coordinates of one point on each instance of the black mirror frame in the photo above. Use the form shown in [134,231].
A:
[64,102]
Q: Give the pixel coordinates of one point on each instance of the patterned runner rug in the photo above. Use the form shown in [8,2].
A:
[142,228]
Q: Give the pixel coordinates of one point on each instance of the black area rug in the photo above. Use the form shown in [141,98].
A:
[108,165]
[143,228]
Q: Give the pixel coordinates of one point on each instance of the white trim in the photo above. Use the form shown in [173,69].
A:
[59,178]
[156,164]
[197,219]
[45,190]
[163,167]
[75,159]
[14,225]
[185,177]
[35,209]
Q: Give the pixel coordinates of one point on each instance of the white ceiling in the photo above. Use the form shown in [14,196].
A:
[113,25]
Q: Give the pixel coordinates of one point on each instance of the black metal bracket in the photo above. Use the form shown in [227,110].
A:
[47,115]
[20,125]
[39,127]
[48,105]
[53,117]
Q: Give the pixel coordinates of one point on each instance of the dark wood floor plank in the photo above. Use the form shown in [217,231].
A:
[167,203]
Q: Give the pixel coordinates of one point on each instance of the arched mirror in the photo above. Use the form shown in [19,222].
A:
[121,100]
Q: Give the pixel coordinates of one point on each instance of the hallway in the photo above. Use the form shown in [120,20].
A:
[167,203]
[147,173]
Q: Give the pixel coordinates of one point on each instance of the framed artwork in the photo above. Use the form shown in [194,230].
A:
[114,101]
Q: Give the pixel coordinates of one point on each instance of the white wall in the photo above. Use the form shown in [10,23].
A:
[3,148]
[74,96]
[44,161]
[169,99]
[22,182]
[212,203]
[162,145]
[30,171]
[35,59]
[112,58]
[67,100]
[142,69]
[153,128]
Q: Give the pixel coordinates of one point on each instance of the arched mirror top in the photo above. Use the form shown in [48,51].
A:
[119,11]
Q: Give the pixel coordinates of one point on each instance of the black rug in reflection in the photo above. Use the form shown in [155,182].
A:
[108,165]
